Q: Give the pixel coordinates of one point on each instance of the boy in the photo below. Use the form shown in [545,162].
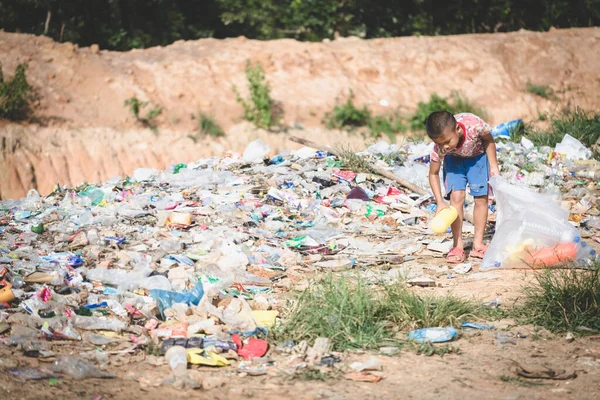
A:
[466,146]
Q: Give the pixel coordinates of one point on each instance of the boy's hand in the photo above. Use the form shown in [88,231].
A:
[494,171]
[440,207]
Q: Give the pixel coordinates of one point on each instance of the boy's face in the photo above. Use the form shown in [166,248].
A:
[449,140]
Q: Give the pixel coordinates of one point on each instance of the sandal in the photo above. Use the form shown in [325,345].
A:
[479,253]
[456,256]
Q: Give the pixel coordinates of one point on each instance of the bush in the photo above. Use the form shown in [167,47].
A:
[458,104]
[208,126]
[259,108]
[582,125]
[348,116]
[561,300]
[135,105]
[355,315]
[541,90]
[15,94]
[389,125]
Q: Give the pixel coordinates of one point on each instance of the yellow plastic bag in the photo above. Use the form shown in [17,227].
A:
[202,357]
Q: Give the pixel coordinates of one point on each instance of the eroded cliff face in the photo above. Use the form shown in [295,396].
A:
[91,136]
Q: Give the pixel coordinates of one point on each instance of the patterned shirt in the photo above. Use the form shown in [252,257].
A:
[473,127]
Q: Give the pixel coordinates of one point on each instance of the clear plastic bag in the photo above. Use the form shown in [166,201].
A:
[531,230]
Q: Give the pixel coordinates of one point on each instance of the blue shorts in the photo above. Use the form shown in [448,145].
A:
[459,171]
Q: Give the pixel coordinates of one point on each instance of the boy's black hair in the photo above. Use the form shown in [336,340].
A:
[439,121]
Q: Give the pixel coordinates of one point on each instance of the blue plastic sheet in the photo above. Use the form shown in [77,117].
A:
[166,298]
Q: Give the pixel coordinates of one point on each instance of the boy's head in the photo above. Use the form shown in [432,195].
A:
[443,130]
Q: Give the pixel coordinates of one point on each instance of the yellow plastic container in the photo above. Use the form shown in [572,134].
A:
[441,222]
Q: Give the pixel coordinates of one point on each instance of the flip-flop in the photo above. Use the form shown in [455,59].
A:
[456,256]
[479,253]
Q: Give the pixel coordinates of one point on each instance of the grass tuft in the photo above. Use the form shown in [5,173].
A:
[541,90]
[356,316]
[563,299]
[354,161]
[582,125]
[349,117]
[208,126]
[455,104]
[429,349]
[410,311]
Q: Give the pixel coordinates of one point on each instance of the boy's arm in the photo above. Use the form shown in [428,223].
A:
[434,182]
[490,150]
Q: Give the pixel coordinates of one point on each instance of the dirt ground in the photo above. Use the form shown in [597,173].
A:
[484,368]
[85,133]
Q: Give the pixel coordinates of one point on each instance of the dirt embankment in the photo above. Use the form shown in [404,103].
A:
[92,136]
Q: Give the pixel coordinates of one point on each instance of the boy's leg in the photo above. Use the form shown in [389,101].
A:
[478,177]
[455,182]
[480,215]
[457,199]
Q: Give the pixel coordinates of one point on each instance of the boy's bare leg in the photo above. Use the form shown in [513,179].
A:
[457,200]
[480,215]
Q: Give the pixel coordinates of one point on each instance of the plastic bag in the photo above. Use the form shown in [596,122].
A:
[256,151]
[573,148]
[531,230]
[166,298]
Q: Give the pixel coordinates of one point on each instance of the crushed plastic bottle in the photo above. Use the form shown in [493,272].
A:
[78,368]
[433,335]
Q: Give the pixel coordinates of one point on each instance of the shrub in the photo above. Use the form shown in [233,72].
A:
[259,108]
[582,125]
[355,315]
[15,94]
[347,115]
[135,106]
[541,90]
[458,104]
[563,299]
[389,125]
[208,126]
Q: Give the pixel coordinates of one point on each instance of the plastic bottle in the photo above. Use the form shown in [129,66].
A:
[78,368]
[433,335]
[176,356]
[441,222]
[93,237]
[586,254]
[550,231]
[94,194]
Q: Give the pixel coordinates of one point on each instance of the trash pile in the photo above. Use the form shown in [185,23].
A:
[189,263]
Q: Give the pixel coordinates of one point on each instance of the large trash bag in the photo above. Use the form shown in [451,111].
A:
[532,230]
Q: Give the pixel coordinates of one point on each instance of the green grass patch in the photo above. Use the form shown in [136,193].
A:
[581,124]
[316,374]
[349,117]
[563,300]
[354,315]
[429,349]
[454,104]
[541,90]
[410,311]
[136,106]
[15,94]
[353,161]
[208,126]
[259,108]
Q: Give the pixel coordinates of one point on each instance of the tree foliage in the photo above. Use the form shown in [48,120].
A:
[127,24]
